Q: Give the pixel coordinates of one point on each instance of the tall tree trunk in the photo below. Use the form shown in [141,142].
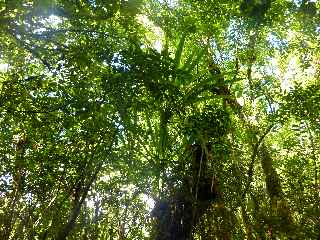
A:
[177,216]
[75,212]
[247,223]
[281,220]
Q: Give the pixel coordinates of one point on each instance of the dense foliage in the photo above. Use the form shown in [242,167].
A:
[154,119]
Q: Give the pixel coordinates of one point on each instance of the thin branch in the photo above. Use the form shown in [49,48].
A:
[314,158]
[25,46]
[253,157]
[50,32]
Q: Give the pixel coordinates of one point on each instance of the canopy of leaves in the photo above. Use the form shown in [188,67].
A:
[115,115]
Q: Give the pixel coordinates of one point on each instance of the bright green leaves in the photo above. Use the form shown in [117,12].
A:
[196,58]
[54,94]
[179,50]
[302,103]
[210,124]
[187,30]
[90,92]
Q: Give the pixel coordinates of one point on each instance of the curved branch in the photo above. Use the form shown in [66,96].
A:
[253,158]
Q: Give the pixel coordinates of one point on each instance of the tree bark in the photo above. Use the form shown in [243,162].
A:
[75,212]
[177,216]
[281,219]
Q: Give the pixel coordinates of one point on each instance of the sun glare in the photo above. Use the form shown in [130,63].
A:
[4,67]
[149,202]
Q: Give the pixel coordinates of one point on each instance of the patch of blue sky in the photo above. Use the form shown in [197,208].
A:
[52,21]
[117,63]
[276,42]
[299,2]
[158,46]
[53,94]
[272,68]
[93,3]
[29,197]
[218,56]
[6,179]
[272,108]
[170,3]
[318,30]
[148,201]
[235,34]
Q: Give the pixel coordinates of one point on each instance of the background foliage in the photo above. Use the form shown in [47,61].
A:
[105,103]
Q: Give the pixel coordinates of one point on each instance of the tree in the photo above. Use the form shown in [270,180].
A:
[207,108]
